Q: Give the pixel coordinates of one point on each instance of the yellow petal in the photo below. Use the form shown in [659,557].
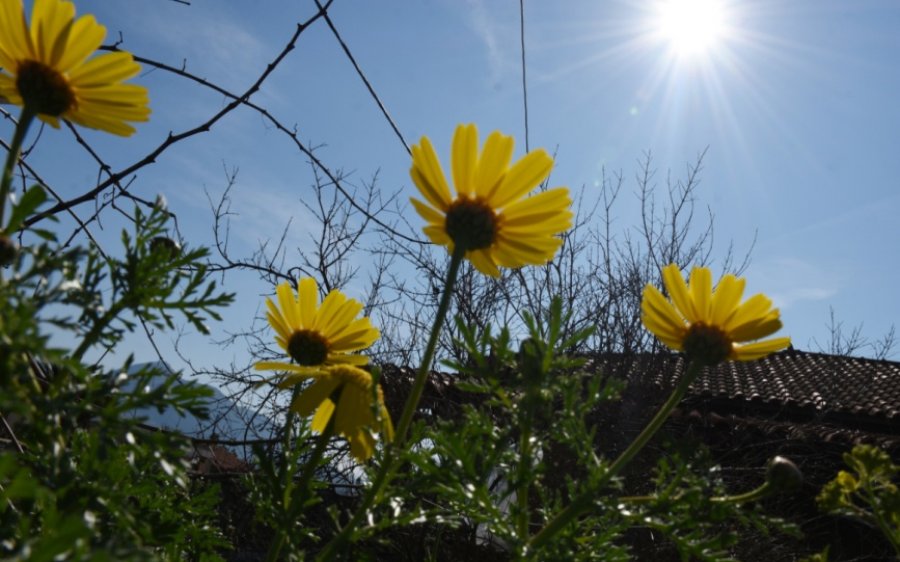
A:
[428,175]
[276,320]
[341,317]
[46,24]
[330,306]
[53,31]
[760,349]
[523,177]
[94,121]
[655,305]
[293,367]
[288,304]
[104,69]
[347,415]
[679,293]
[52,121]
[483,262]
[430,214]
[352,339]
[15,42]
[764,327]
[362,445]
[492,165]
[701,292]
[537,249]
[464,158]
[347,359]
[667,333]
[308,301]
[749,312]
[318,392]
[323,416]
[89,109]
[725,299]
[8,89]
[437,234]
[85,37]
[537,208]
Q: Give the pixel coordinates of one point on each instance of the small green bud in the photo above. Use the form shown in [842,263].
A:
[8,250]
[782,474]
[165,244]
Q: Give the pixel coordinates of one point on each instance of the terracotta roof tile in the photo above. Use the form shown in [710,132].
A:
[820,382]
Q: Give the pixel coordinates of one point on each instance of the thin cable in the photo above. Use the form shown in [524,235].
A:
[365,80]
[524,84]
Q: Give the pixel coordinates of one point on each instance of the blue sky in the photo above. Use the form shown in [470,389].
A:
[795,104]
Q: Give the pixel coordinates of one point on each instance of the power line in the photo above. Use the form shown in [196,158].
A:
[524,83]
[365,80]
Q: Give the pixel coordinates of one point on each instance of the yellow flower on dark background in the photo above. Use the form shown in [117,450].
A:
[344,393]
[709,325]
[490,216]
[316,336]
[46,68]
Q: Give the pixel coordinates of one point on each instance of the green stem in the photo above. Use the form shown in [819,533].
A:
[313,462]
[388,468]
[755,494]
[759,493]
[290,504]
[884,526]
[412,402]
[12,157]
[586,499]
[524,469]
[91,337]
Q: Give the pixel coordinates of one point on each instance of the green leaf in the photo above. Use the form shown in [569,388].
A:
[30,201]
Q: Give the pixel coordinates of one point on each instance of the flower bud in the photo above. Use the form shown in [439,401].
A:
[8,250]
[165,244]
[782,474]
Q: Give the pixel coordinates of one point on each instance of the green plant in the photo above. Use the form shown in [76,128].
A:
[867,492]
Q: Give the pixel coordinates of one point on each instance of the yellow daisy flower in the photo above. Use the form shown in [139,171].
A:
[46,69]
[711,326]
[345,393]
[490,216]
[315,336]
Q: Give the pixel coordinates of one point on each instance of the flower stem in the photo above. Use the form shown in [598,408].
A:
[412,402]
[757,493]
[586,499]
[388,464]
[289,503]
[871,497]
[524,470]
[12,157]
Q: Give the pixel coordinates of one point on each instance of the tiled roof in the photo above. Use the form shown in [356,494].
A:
[813,382]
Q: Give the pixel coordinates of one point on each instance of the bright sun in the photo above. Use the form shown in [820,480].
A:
[691,27]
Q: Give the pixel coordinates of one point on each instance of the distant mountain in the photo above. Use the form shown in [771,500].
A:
[227,419]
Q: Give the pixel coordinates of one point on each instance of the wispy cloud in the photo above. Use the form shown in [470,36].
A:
[486,28]
[790,280]
[220,49]
[260,209]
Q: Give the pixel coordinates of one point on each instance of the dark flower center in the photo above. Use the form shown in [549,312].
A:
[708,345]
[43,89]
[471,224]
[308,348]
